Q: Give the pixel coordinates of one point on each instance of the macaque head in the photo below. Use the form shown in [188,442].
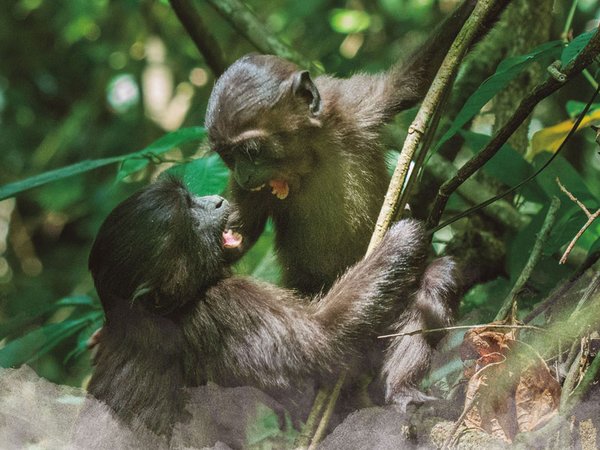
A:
[161,247]
[261,113]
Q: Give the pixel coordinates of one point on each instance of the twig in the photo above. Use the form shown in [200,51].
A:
[564,288]
[534,257]
[245,22]
[324,423]
[584,385]
[571,378]
[590,219]
[197,29]
[304,438]
[459,327]
[475,192]
[543,90]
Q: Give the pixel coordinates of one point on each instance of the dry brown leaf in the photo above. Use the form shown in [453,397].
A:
[510,386]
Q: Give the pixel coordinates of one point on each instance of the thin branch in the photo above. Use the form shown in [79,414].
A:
[543,90]
[431,103]
[534,257]
[308,430]
[335,393]
[197,29]
[246,23]
[459,327]
[590,216]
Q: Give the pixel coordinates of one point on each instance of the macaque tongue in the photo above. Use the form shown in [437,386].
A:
[231,239]
[280,188]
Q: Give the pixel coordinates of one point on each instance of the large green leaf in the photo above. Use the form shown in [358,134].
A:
[11,189]
[21,320]
[203,176]
[575,46]
[138,160]
[135,161]
[41,340]
[507,70]
[508,166]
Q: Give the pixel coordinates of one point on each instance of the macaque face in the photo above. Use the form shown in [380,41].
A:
[161,245]
[260,116]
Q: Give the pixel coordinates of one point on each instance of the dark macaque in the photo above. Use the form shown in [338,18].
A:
[176,317]
[308,154]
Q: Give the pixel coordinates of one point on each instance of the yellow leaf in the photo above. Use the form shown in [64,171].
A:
[549,139]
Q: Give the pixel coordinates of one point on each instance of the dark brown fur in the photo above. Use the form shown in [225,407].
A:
[176,317]
[269,121]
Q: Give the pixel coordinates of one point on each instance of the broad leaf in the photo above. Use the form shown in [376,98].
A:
[203,176]
[41,340]
[575,46]
[133,162]
[140,159]
[507,70]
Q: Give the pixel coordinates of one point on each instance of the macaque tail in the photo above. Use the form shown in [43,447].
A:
[408,357]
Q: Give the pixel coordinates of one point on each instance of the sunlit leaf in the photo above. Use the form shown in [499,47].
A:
[549,139]
[349,21]
[140,159]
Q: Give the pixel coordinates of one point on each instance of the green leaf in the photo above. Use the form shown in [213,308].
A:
[82,339]
[507,165]
[575,46]
[507,70]
[41,340]
[574,108]
[22,319]
[140,159]
[11,189]
[203,176]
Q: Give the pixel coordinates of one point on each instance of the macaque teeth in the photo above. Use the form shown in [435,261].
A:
[232,239]
[258,188]
[280,188]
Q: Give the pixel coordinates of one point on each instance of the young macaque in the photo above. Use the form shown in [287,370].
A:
[307,153]
[176,317]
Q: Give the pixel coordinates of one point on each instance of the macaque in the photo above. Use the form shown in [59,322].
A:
[176,317]
[307,153]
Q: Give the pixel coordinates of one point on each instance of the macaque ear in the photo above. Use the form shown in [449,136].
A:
[303,86]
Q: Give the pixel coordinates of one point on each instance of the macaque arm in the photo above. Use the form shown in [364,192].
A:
[271,337]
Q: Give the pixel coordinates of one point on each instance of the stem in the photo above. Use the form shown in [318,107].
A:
[534,257]
[198,31]
[569,20]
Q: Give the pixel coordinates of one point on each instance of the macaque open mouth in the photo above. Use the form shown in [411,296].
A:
[232,239]
[279,188]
